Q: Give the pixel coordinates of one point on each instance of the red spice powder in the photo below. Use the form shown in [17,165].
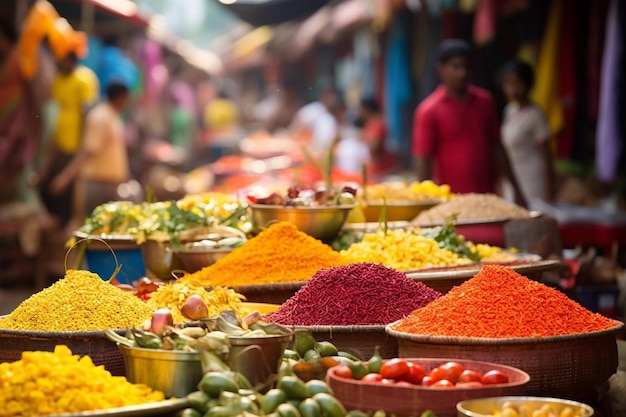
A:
[356,294]
[499,303]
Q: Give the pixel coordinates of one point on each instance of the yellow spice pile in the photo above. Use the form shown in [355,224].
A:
[57,382]
[402,250]
[81,301]
[174,295]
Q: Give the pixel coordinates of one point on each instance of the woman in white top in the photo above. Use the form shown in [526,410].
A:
[525,134]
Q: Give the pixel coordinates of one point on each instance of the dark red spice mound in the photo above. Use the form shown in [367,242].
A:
[356,294]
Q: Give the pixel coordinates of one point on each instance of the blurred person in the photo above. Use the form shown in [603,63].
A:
[317,122]
[525,134]
[182,120]
[73,94]
[102,160]
[222,126]
[456,134]
[374,134]
[351,152]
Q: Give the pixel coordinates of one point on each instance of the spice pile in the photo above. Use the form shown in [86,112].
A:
[280,253]
[402,250]
[81,301]
[472,207]
[174,295]
[43,383]
[500,303]
[357,294]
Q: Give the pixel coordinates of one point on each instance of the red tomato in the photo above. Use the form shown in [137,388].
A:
[472,384]
[404,384]
[437,373]
[343,371]
[443,383]
[494,377]
[394,368]
[470,376]
[415,375]
[427,381]
[373,377]
[453,370]
[388,381]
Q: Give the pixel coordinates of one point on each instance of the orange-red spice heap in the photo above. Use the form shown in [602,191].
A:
[500,303]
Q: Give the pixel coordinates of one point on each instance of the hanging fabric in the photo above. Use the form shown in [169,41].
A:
[546,88]
[608,142]
[485,20]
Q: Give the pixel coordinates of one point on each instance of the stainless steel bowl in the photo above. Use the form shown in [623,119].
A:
[159,259]
[323,223]
[484,407]
[175,373]
[193,260]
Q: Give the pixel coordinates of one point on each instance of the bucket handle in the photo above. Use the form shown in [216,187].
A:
[118,266]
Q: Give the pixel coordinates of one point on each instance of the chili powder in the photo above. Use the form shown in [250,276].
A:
[356,294]
[500,303]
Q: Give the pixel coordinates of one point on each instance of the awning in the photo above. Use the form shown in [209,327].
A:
[108,14]
[272,12]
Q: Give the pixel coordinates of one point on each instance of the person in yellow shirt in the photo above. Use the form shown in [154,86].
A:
[73,92]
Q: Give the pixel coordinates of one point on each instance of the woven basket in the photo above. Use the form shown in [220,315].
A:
[361,341]
[570,366]
[269,293]
[95,344]
[414,400]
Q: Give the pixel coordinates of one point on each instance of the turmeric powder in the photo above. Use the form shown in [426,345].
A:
[43,383]
[280,253]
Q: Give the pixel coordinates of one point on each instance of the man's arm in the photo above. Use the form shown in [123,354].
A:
[424,142]
[423,166]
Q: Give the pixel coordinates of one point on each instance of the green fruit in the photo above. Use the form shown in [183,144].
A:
[242,381]
[326,349]
[213,383]
[375,362]
[189,412]
[295,403]
[249,405]
[224,411]
[359,370]
[272,400]
[200,401]
[310,408]
[291,354]
[330,405]
[315,386]
[294,388]
[357,413]
[348,355]
[303,342]
[288,410]
[311,355]
[229,398]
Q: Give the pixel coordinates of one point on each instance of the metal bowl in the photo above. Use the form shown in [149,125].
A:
[484,407]
[396,210]
[323,223]
[159,259]
[193,260]
[175,373]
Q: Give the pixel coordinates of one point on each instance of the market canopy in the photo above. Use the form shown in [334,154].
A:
[272,12]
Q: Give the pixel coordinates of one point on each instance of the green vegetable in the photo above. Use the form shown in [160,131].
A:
[326,349]
[315,386]
[348,356]
[310,408]
[428,413]
[295,403]
[303,342]
[189,412]
[330,405]
[288,410]
[200,401]
[291,354]
[359,370]
[249,405]
[224,411]
[241,380]
[311,355]
[357,413]
[213,383]
[272,400]
[147,340]
[447,238]
[294,387]
[375,362]
[229,398]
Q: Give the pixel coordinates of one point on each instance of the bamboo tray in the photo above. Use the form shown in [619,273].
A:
[569,366]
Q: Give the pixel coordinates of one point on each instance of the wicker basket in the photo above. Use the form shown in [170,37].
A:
[571,366]
[269,293]
[413,400]
[95,344]
[361,341]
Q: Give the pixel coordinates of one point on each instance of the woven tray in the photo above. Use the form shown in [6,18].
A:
[361,341]
[95,344]
[570,366]
[414,400]
[269,293]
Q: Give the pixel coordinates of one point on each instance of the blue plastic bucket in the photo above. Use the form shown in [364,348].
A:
[101,261]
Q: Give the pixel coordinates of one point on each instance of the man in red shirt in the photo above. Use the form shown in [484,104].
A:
[456,134]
